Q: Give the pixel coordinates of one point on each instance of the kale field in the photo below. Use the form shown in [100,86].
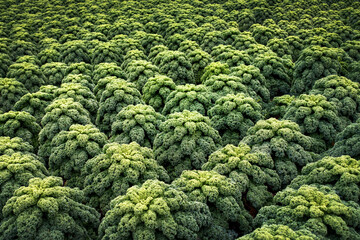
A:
[179,120]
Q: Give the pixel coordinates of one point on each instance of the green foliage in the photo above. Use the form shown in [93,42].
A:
[295,46]
[49,43]
[347,142]
[221,85]
[133,55]
[316,62]
[60,115]
[105,29]
[50,89]
[173,42]
[233,62]
[305,23]
[103,70]
[67,37]
[19,48]
[47,210]
[154,51]
[185,141]
[55,33]
[156,90]
[196,34]
[28,74]
[218,23]
[20,124]
[81,94]
[232,115]
[28,59]
[11,91]
[188,46]
[117,94]
[173,29]
[199,60]
[4,49]
[246,18]
[316,41]
[136,123]
[220,49]
[280,46]
[105,52]
[101,85]
[152,27]
[16,170]
[232,57]
[71,149]
[139,71]
[282,139]
[152,211]
[254,81]
[9,146]
[354,72]
[309,33]
[353,49]
[81,79]
[230,35]
[79,68]
[119,28]
[279,231]
[118,168]
[188,97]
[175,65]
[277,71]
[315,208]
[125,45]
[214,69]
[342,92]
[316,116]
[320,21]
[74,52]
[221,194]
[243,41]
[334,39]
[211,40]
[278,106]
[341,173]
[151,40]
[49,55]
[5,62]
[252,171]
[262,13]
[259,50]
[262,34]
[54,72]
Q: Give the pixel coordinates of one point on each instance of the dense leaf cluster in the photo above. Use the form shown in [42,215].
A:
[185,141]
[60,115]
[232,115]
[45,209]
[211,120]
[288,146]
[252,171]
[136,123]
[315,208]
[155,210]
[116,169]
[316,116]
[70,150]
